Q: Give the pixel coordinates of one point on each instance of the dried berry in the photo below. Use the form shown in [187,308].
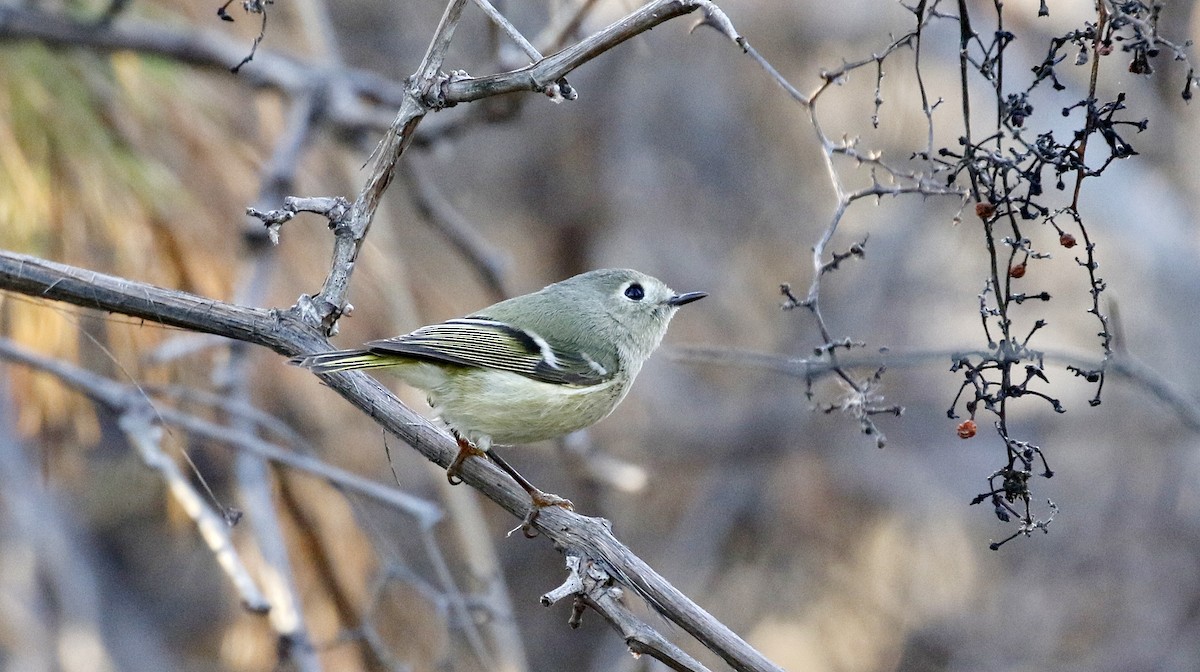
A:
[967,429]
[984,211]
[1066,240]
[1017,271]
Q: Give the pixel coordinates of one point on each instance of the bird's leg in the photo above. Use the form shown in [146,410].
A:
[538,499]
[465,449]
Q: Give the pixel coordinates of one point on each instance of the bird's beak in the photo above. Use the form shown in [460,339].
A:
[680,299]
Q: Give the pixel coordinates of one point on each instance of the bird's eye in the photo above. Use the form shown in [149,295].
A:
[635,292]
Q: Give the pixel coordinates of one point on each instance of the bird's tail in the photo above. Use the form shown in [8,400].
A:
[342,360]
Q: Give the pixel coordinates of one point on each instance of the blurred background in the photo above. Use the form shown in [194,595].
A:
[680,158]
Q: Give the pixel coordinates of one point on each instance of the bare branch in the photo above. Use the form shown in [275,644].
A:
[137,420]
[538,76]
[509,29]
[201,48]
[462,234]
[146,437]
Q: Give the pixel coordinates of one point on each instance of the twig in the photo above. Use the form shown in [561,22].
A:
[138,425]
[588,584]
[557,36]
[350,233]
[1184,406]
[456,603]
[543,74]
[509,29]
[117,396]
[51,582]
[425,513]
[254,478]
[460,233]
[136,418]
[476,550]
[202,48]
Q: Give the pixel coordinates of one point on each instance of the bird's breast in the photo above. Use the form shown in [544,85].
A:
[508,408]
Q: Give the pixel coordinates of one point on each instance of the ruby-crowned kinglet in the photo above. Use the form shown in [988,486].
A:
[533,367]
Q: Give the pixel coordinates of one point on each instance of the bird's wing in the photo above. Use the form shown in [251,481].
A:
[472,341]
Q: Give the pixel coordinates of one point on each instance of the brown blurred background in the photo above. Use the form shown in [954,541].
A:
[680,158]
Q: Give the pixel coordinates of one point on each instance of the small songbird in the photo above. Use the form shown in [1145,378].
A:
[533,367]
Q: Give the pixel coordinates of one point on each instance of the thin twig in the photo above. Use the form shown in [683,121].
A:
[145,436]
[117,396]
[137,419]
[1185,407]
[458,231]
[538,76]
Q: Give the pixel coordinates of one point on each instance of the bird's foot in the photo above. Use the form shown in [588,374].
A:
[465,449]
[538,501]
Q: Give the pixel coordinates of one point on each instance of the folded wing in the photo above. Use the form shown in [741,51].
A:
[472,341]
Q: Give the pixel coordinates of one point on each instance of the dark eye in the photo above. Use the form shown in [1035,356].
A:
[635,292]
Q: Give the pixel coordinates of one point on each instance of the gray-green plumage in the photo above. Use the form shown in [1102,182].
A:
[533,367]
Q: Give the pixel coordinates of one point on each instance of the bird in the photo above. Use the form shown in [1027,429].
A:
[533,367]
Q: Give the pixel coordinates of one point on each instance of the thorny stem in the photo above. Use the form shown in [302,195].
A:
[1090,121]
[964,39]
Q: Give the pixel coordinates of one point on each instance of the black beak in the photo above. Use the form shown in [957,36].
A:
[681,299]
